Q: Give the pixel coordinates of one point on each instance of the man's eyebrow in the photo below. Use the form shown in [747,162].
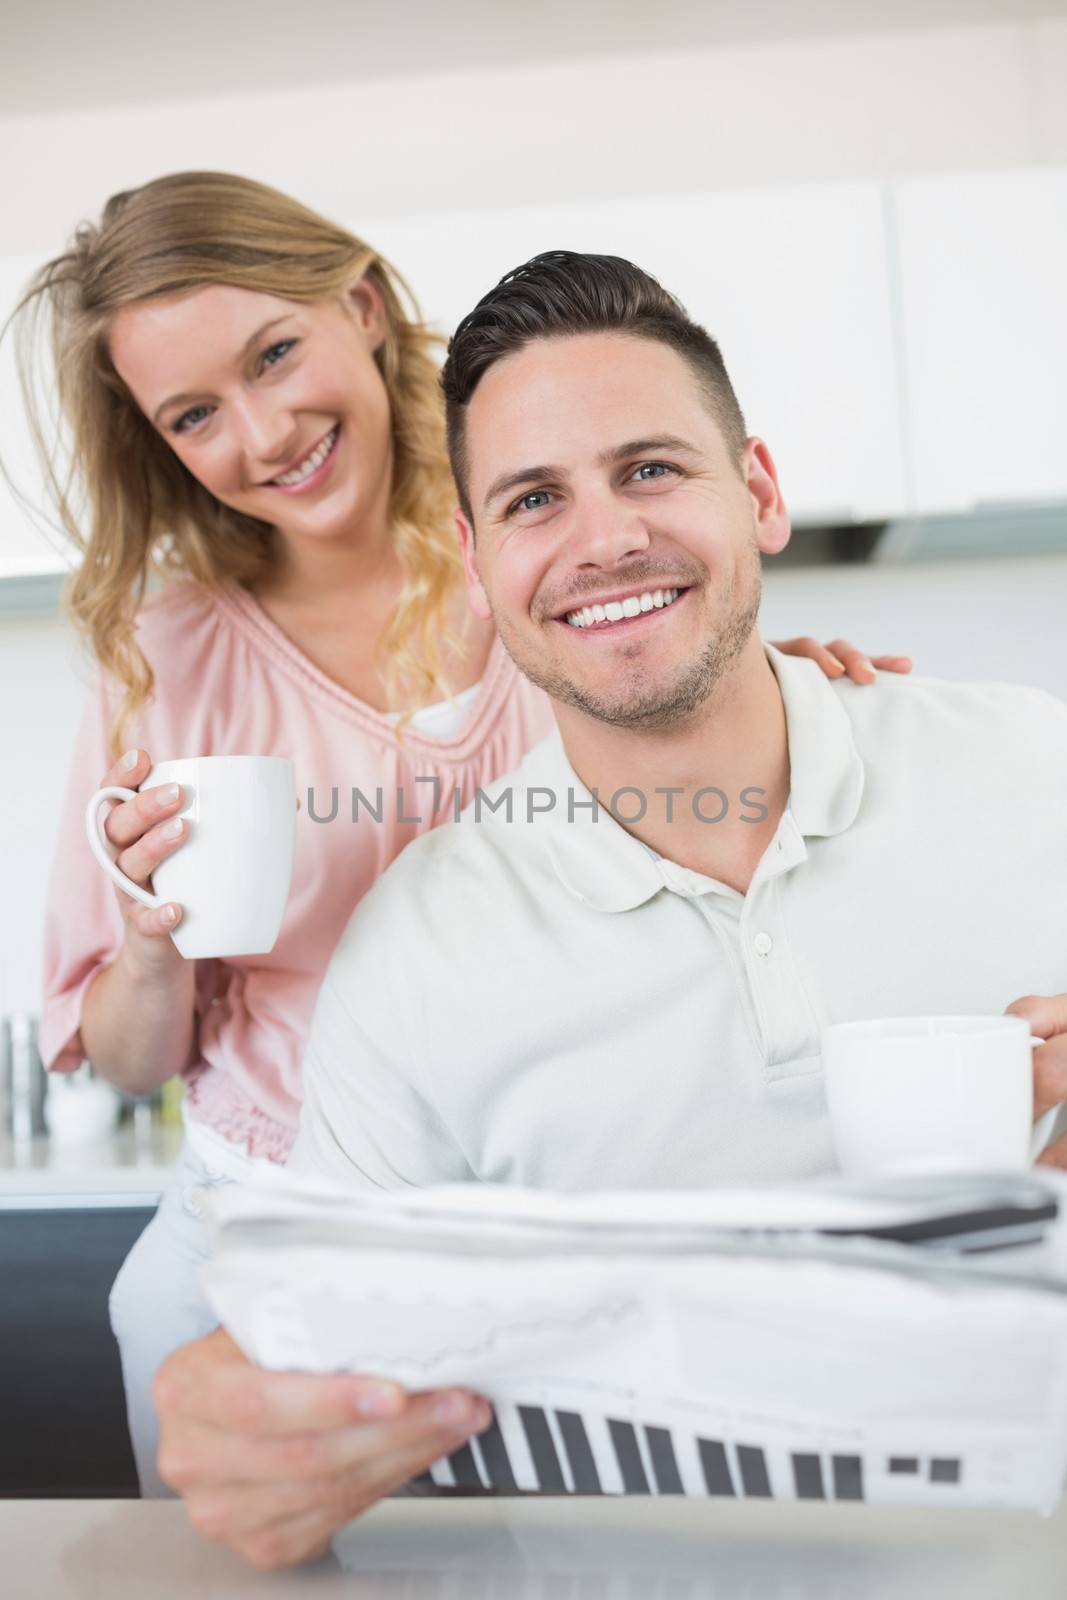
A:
[513,480]
[633,447]
[644,447]
[253,339]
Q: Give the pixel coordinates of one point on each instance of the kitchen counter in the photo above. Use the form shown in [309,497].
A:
[127,1167]
[549,1549]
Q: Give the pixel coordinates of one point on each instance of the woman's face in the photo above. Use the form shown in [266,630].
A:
[278,408]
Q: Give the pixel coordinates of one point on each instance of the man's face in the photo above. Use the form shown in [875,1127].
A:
[599,478]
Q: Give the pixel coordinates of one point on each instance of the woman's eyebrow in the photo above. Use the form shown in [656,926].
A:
[253,339]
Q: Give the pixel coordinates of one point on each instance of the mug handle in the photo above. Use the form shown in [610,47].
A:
[98,844]
[1043,1127]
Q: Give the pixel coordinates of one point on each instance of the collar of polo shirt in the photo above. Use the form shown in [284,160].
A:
[603,865]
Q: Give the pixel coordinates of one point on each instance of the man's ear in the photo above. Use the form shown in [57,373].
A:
[476,594]
[761,480]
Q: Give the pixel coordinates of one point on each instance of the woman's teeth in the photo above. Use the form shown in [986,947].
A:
[310,463]
[615,610]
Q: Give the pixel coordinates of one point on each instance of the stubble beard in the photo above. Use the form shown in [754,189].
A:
[636,704]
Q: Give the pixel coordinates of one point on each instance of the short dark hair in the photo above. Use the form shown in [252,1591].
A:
[564,292]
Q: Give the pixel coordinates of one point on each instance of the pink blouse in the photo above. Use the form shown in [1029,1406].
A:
[229,682]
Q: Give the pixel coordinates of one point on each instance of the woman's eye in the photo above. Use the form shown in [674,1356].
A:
[274,353]
[652,469]
[190,418]
[536,500]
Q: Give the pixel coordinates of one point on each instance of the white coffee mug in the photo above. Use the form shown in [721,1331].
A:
[933,1094]
[231,874]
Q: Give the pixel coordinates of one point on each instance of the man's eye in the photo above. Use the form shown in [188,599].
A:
[190,418]
[652,469]
[536,500]
[274,353]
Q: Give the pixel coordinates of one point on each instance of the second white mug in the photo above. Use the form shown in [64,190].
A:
[231,875]
[932,1094]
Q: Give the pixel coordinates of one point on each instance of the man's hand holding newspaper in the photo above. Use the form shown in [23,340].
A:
[274,1463]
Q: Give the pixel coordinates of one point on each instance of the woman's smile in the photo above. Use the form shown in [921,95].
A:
[312,470]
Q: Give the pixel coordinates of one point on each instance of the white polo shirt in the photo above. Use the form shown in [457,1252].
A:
[545,1002]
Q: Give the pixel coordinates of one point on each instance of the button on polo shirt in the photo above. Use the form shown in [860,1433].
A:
[543,1001]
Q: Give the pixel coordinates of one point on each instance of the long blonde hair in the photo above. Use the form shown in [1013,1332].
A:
[123,497]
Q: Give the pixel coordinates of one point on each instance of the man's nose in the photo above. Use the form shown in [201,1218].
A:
[603,532]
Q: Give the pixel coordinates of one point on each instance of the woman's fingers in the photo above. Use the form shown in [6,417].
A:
[840,656]
[128,771]
[893,663]
[130,819]
[805,645]
[143,857]
[146,829]
[856,662]
[861,667]
[152,922]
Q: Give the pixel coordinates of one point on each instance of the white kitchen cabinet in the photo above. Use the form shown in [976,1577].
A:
[983,304]
[793,282]
[27,547]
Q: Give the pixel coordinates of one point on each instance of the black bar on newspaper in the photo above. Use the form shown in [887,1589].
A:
[807,1477]
[542,1450]
[848,1478]
[495,1455]
[623,1437]
[465,1468]
[753,1465]
[664,1463]
[715,1467]
[579,1453]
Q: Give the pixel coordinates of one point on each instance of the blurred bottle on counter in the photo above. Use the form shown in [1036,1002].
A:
[80,1107]
[22,1079]
[170,1103]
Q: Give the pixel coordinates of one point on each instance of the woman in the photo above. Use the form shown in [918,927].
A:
[255,431]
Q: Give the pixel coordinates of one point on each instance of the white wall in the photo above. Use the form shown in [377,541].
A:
[997,620]
[42,687]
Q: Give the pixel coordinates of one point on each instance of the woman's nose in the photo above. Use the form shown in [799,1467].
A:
[269,434]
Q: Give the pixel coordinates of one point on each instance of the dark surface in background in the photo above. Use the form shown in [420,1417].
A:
[62,1415]
[830,545]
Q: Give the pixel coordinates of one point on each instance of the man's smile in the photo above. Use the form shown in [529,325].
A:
[622,612]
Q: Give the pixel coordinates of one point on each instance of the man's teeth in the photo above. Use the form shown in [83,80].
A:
[310,463]
[615,610]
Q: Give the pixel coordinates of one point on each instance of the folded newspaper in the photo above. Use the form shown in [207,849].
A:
[897,1342]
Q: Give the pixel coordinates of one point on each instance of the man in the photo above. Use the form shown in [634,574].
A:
[615,970]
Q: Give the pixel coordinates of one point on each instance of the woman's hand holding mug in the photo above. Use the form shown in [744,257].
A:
[146,829]
[224,892]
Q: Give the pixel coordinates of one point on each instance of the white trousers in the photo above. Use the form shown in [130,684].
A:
[157,1304]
